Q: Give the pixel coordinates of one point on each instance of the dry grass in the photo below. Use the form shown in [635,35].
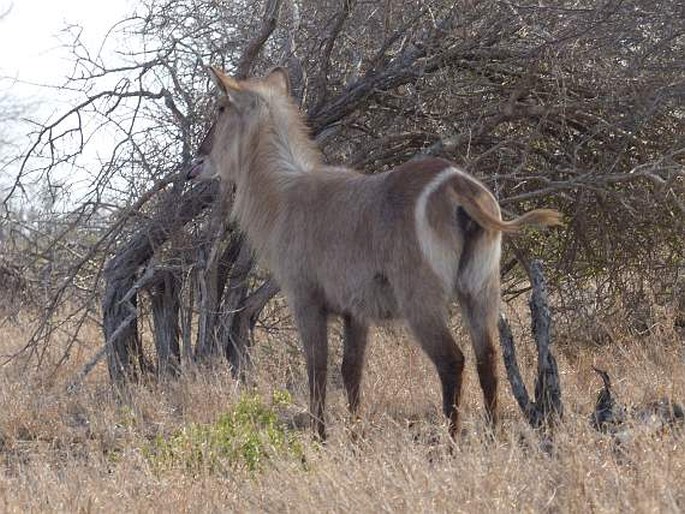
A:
[87,452]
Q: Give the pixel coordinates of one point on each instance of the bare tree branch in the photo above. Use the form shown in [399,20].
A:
[547,407]
[272,10]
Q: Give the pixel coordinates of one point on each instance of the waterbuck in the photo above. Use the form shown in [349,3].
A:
[397,244]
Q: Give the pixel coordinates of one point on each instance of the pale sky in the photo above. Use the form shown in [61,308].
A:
[30,38]
[32,55]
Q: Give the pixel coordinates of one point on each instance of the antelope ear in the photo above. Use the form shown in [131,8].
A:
[279,79]
[226,84]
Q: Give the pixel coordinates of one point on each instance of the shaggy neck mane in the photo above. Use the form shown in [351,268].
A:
[278,152]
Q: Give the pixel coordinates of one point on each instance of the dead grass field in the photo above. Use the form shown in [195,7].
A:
[86,452]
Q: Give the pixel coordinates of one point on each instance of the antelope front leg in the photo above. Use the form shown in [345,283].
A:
[354,339]
[312,325]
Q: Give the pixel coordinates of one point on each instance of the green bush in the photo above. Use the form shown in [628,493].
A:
[246,437]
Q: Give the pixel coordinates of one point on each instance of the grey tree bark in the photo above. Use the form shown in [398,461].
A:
[547,407]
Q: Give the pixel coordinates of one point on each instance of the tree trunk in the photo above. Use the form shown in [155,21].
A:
[238,339]
[207,346]
[120,325]
[547,406]
[120,314]
[164,296]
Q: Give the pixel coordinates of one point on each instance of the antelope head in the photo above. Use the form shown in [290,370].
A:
[241,108]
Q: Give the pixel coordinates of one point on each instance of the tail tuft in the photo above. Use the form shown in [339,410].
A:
[481,205]
[538,218]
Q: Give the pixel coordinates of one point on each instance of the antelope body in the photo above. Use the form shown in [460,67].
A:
[394,245]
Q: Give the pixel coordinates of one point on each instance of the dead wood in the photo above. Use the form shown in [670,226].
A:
[623,422]
[164,295]
[547,406]
[120,315]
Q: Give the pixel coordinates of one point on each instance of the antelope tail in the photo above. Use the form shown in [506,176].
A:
[479,203]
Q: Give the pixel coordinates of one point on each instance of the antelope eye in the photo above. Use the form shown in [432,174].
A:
[221,109]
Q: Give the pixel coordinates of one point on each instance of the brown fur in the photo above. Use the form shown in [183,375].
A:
[392,245]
